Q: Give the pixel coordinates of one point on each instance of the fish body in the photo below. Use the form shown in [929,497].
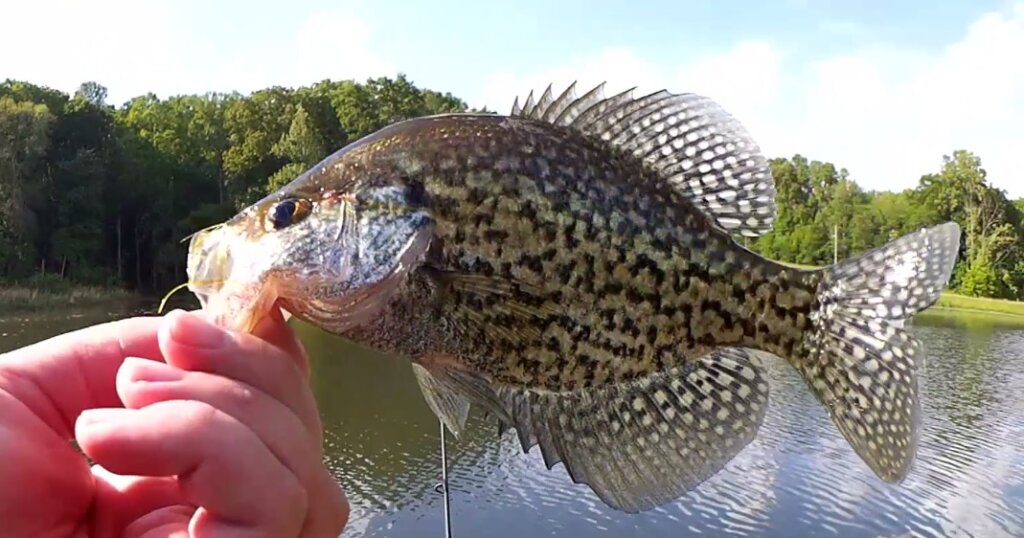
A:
[557,264]
[573,269]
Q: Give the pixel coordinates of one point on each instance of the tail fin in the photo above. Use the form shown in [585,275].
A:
[860,362]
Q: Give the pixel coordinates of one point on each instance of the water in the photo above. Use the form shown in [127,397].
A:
[798,478]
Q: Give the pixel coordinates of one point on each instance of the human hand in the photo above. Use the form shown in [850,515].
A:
[209,433]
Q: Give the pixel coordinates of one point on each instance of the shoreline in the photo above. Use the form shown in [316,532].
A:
[28,299]
[956,302]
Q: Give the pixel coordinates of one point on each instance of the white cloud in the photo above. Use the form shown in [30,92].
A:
[843,28]
[326,46]
[133,48]
[890,114]
[887,114]
[87,41]
[728,76]
[620,68]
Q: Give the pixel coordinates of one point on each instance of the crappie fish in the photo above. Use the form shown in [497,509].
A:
[573,269]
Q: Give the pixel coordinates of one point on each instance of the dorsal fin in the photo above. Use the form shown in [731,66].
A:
[688,139]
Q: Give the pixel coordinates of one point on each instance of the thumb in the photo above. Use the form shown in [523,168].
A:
[273,328]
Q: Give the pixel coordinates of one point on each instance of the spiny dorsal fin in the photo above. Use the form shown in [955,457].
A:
[639,444]
[688,139]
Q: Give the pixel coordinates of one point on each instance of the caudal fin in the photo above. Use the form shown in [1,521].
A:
[860,361]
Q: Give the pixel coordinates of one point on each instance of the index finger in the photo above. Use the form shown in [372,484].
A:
[60,377]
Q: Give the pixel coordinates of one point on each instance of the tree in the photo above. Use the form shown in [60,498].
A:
[991,222]
[301,144]
[24,140]
[104,194]
[93,93]
[254,125]
[31,93]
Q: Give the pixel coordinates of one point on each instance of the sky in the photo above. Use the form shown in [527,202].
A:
[883,89]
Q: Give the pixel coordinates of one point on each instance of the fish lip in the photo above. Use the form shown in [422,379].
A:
[208,264]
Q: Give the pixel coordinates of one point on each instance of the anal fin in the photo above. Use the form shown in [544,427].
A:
[641,444]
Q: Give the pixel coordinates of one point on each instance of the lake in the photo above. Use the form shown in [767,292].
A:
[798,478]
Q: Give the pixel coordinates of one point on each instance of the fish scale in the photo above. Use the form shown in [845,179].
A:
[600,265]
[572,269]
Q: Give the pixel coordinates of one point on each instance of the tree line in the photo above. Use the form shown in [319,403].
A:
[92,193]
[96,194]
[823,214]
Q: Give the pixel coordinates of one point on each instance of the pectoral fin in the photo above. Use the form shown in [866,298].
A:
[443,399]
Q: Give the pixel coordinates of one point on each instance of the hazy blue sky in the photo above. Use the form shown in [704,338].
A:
[882,88]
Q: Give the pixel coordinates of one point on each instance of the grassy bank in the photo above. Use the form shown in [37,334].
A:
[24,298]
[21,298]
[955,301]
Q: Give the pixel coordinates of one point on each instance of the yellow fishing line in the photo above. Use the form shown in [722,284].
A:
[197,232]
[163,302]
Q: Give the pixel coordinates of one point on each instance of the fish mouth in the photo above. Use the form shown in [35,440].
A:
[209,263]
[239,276]
[235,302]
[230,266]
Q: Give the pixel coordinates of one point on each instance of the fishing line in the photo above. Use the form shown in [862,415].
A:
[179,287]
[163,302]
[444,481]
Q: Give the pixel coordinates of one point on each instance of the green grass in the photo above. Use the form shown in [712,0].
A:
[971,319]
[29,299]
[954,301]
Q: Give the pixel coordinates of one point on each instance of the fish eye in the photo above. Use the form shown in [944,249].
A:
[287,212]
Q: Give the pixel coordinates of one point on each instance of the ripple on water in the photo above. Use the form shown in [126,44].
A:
[797,478]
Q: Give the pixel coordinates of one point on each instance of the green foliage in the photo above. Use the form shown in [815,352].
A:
[25,129]
[97,194]
[816,202]
[301,144]
[285,175]
[92,193]
[981,280]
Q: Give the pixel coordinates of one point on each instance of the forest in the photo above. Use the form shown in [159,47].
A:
[102,195]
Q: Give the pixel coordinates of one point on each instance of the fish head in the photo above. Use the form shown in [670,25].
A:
[328,248]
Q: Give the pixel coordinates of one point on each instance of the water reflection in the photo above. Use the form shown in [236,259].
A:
[798,478]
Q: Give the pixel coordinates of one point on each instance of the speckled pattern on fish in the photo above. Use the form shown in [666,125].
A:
[574,269]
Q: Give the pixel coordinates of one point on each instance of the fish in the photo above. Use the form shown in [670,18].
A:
[576,269]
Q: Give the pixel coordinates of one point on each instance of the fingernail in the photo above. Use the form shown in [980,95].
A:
[191,330]
[92,417]
[151,371]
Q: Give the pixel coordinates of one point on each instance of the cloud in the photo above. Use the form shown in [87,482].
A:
[620,68]
[843,28]
[727,75]
[134,48]
[331,45]
[889,114]
[87,41]
[885,113]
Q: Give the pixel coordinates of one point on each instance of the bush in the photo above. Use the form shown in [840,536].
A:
[981,280]
[47,282]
